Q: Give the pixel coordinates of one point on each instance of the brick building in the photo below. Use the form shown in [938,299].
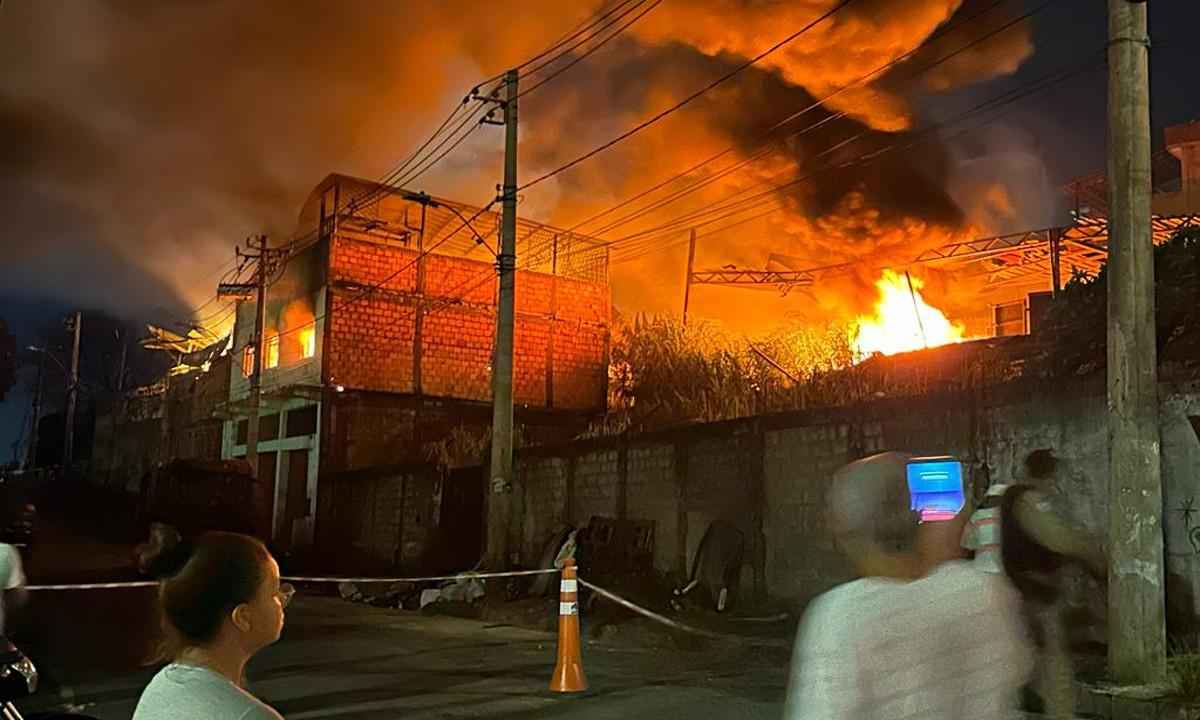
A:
[379,334]
[174,418]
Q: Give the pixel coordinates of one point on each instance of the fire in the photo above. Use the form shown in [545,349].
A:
[308,340]
[903,321]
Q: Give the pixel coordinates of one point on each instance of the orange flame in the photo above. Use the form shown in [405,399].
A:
[308,340]
[903,321]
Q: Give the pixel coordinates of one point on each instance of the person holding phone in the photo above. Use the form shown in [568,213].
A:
[920,633]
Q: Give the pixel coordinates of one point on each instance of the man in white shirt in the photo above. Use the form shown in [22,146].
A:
[921,634]
[12,579]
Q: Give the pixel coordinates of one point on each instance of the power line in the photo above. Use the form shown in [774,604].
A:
[677,106]
[721,211]
[1005,99]
[575,60]
[765,135]
[581,28]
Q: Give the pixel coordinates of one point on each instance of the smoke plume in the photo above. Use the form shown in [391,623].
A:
[150,138]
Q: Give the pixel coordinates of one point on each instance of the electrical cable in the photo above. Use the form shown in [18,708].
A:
[682,103]
[578,58]
[763,137]
[1001,101]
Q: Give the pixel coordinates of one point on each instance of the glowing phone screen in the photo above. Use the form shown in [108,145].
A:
[935,486]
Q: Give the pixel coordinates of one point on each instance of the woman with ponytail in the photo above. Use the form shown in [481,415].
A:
[222,602]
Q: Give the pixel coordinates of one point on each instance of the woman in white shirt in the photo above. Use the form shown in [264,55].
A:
[222,602]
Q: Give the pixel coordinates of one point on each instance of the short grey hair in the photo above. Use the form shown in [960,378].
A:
[869,501]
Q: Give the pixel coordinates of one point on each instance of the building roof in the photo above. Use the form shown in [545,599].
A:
[396,214]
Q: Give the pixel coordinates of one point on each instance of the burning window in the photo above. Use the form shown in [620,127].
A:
[308,340]
[248,361]
[271,356]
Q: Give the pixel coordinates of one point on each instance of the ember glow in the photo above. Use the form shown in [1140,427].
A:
[308,340]
[903,321]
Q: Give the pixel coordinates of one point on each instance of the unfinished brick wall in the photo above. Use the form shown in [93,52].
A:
[596,486]
[447,312]
[683,479]
[653,494]
[544,481]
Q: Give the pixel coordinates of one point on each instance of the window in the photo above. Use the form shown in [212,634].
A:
[268,427]
[271,356]
[248,361]
[302,421]
[308,340]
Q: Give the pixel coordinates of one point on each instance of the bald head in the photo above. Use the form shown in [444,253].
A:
[869,503]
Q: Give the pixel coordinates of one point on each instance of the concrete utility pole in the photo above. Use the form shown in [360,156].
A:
[687,281]
[500,495]
[256,341]
[74,324]
[1137,635]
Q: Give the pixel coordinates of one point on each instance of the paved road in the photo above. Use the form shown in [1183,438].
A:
[339,660]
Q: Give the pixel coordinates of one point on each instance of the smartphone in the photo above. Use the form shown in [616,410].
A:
[935,487]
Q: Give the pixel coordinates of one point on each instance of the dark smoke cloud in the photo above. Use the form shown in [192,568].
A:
[154,136]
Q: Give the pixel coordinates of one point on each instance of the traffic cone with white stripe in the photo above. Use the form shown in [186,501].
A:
[568,671]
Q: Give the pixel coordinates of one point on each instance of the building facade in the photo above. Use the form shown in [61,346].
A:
[379,339]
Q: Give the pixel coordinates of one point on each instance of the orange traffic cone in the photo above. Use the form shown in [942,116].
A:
[568,671]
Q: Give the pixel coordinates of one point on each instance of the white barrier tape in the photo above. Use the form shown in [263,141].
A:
[96,586]
[674,623]
[458,576]
[568,585]
[568,608]
[290,578]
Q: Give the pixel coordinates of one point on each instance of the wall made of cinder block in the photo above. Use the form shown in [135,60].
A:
[776,471]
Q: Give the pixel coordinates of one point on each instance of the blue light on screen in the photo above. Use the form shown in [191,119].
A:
[935,486]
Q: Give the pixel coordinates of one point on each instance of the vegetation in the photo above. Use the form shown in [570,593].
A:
[1075,324]
[665,373]
[1183,669]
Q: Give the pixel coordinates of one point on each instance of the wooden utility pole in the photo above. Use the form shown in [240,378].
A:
[687,281]
[75,324]
[500,495]
[256,342]
[36,411]
[1137,635]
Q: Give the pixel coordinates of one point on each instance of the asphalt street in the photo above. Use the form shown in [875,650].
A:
[343,660]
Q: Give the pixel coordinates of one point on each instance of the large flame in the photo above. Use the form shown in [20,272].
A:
[903,321]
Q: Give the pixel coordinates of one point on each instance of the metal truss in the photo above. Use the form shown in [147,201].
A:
[1019,258]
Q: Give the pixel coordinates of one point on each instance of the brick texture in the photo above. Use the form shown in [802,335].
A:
[559,321]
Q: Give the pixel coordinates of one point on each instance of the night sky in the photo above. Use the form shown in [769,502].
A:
[139,145]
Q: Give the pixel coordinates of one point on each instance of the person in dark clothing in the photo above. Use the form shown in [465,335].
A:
[1035,547]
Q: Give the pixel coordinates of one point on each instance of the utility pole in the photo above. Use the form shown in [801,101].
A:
[264,258]
[500,495]
[123,361]
[74,324]
[1137,635]
[687,281]
[36,411]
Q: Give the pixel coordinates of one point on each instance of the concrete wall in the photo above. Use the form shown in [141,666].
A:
[774,471]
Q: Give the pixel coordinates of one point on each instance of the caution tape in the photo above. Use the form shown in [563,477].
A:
[663,619]
[96,586]
[432,578]
[314,579]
